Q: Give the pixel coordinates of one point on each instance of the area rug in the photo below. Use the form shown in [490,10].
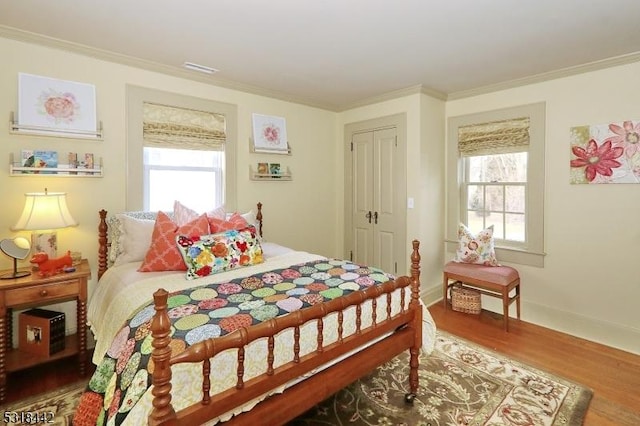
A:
[461,383]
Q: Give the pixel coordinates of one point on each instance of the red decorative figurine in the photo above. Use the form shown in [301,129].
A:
[50,267]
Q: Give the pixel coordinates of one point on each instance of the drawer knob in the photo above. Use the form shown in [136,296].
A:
[43,293]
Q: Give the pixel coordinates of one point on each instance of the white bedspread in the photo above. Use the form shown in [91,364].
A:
[122,290]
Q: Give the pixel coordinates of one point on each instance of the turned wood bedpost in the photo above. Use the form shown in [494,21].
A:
[162,412]
[259,217]
[102,243]
[416,306]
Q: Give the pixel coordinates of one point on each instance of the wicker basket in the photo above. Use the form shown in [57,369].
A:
[464,299]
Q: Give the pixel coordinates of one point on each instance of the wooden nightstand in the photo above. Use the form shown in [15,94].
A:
[35,291]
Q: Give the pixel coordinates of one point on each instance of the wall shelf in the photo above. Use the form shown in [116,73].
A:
[15,169]
[253,175]
[253,150]
[18,129]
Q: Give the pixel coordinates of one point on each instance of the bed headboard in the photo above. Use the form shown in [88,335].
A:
[104,243]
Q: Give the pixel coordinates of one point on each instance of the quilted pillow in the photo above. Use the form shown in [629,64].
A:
[163,255]
[210,254]
[235,221]
[183,214]
[478,249]
[134,239]
[116,233]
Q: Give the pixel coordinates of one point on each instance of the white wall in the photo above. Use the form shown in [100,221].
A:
[300,213]
[590,284]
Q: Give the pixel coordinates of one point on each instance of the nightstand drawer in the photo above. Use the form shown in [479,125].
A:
[42,293]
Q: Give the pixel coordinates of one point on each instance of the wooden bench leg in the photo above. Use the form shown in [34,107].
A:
[518,300]
[505,308]
[445,288]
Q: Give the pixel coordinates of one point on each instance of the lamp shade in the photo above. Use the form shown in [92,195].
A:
[43,211]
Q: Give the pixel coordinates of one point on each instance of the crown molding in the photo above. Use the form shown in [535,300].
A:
[407,91]
[106,55]
[547,76]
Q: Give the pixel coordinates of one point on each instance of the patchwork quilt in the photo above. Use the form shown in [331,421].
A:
[209,311]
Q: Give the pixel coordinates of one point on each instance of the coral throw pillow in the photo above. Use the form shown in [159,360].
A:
[163,255]
[478,249]
[236,221]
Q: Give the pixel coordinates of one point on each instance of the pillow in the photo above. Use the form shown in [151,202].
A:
[477,249]
[183,214]
[235,221]
[163,255]
[211,254]
[134,238]
[115,232]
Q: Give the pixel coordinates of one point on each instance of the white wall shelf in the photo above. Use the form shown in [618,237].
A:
[253,150]
[253,175]
[15,169]
[18,129]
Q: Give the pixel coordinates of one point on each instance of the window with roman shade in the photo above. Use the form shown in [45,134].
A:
[496,178]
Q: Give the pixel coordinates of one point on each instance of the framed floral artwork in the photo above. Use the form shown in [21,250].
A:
[270,134]
[50,105]
[606,153]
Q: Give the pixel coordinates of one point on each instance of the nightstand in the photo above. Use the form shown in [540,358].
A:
[34,291]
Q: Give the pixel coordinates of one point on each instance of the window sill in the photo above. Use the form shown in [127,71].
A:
[509,255]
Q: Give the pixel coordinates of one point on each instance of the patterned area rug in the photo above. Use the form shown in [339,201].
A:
[460,384]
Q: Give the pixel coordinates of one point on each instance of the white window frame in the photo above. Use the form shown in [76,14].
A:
[532,251]
[135,180]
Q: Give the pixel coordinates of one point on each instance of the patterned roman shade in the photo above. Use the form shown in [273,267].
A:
[173,127]
[495,137]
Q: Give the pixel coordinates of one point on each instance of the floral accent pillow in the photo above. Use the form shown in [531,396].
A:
[478,249]
[211,254]
[163,255]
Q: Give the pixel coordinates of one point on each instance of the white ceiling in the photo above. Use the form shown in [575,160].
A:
[339,53]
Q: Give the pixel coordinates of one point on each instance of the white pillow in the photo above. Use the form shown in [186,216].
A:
[134,239]
[115,230]
[183,214]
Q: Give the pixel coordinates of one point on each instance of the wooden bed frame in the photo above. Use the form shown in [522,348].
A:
[403,331]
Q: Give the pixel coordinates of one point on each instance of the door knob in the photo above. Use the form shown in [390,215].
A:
[375,217]
[368,216]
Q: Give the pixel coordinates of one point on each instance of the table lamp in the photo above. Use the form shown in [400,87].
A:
[45,212]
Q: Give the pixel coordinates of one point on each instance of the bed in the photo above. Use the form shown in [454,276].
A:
[334,322]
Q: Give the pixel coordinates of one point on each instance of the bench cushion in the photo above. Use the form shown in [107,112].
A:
[501,275]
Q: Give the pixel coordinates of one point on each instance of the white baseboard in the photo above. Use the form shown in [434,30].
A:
[607,333]
[596,330]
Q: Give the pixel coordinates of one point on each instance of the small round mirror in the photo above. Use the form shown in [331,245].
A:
[18,247]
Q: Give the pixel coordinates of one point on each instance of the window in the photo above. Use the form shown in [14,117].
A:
[496,177]
[495,188]
[192,176]
[179,148]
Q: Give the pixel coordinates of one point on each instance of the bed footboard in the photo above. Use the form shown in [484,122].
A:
[392,335]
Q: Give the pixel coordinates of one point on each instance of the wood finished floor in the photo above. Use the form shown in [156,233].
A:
[613,375]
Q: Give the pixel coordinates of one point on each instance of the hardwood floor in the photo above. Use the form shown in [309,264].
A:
[613,375]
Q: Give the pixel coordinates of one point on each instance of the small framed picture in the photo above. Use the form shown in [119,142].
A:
[274,168]
[263,168]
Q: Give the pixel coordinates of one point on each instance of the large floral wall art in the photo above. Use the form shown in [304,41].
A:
[606,153]
[49,104]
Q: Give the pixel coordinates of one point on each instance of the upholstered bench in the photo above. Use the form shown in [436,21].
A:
[495,281]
